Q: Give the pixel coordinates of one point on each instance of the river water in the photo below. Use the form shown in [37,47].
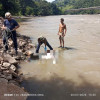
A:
[77,68]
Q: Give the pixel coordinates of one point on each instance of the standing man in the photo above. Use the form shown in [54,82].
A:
[62,32]
[11,24]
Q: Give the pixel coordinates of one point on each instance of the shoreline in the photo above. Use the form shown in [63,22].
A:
[10,76]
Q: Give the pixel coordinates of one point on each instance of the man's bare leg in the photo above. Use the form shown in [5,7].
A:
[63,43]
[60,41]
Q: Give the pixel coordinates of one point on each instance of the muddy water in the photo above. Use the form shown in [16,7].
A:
[78,67]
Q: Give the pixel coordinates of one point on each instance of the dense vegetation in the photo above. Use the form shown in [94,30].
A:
[28,7]
[44,8]
[76,4]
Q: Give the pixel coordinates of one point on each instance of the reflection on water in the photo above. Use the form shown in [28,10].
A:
[78,65]
[58,88]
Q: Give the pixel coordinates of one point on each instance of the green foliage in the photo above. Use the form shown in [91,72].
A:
[28,7]
[65,5]
[44,8]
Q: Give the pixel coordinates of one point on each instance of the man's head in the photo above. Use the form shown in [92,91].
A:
[62,20]
[8,15]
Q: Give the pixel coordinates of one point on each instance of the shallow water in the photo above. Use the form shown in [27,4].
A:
[78,67]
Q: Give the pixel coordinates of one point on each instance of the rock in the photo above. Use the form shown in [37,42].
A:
[0,73]
[19,79]
[14,74]
[28,53]
[2,76]
[6,72]
[18,58]
[14,82]
[6,65]
[34,56]
[12,67]
[10,59]
[12,52]
[3,80]
[4,68]
[9,76]
[30,45]
[1,59]
[10,43]
[23,50]
[21,44]
[0,69]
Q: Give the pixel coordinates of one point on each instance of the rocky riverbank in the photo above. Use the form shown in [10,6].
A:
[10,77]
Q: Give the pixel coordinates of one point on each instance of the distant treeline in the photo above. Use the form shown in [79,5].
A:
[65,5]
[28,7]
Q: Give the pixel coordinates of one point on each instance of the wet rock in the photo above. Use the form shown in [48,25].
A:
[34,56]
[19,79]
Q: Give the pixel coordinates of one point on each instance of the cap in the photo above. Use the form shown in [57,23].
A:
[7,15]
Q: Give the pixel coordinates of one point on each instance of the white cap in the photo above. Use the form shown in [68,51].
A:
[7,15]
[41,35]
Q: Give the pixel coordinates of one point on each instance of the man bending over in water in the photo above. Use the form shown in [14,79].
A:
[42,40]
[62,32]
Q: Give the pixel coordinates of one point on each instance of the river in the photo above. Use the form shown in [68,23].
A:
[76,74]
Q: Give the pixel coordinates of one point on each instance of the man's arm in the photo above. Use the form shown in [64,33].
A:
[3,27]
[16,27]
[45,42]
[59,30]
[65,30]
